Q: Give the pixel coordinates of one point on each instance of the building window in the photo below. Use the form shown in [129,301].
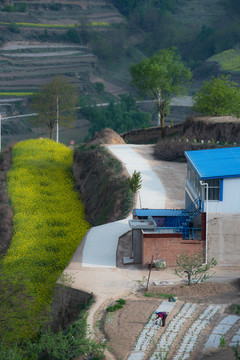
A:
[193,179]
[214,185]
[213,189]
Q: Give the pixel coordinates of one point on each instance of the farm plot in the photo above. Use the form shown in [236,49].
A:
[194,326]
[180,337]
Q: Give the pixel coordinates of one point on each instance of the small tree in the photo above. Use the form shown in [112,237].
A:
[192,269]
[13,27]
[160,78]
[55,101]
[135,181]
[218,97]
[99,87]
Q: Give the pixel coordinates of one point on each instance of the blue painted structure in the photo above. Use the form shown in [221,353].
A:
[214,176]
[171,220]
[215,163]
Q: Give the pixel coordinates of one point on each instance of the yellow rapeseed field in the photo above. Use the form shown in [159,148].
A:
[49,218]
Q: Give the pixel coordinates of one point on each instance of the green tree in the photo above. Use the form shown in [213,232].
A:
[160,78]
[55,102]
[13,27]
[193,269]
[99,87]
[218,97]
[72,35]
[120,117]
[135,181]
[205,32]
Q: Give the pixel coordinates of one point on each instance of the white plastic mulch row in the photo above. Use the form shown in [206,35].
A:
[235,339]
[149,332]
[220,330]
[192,335]
[167,339]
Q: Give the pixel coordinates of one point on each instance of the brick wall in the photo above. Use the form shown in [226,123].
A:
[168,247]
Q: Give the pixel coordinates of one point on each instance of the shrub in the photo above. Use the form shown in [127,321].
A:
[99,86]
[13,27]
[9,8]
[72,35]
[193,268]
[172,149]
[119,304]
[20,7]
[234,309]
[135,181]
[121,301]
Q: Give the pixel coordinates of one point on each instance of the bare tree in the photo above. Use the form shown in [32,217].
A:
[55,104]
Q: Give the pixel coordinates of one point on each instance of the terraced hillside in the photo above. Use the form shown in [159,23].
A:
[195,13]
[64,12]
[25,67]
[42,45]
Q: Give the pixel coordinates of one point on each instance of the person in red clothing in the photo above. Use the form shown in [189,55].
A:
[162,316]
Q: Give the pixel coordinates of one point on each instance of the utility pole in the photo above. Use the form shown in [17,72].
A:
[57,129]
[0,132]
[205,184]
[159,103]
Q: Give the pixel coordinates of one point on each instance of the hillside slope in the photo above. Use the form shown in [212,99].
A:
[92,42]
[102,183]
[45,41]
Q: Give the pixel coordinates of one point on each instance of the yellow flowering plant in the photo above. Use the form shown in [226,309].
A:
[49,218]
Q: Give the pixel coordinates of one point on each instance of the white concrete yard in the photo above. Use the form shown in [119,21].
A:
[101,241]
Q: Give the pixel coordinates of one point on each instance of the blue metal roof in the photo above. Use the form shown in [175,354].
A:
[156,212]
[215,163]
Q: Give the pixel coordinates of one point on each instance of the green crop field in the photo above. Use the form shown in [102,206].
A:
[56,26]
[14,93]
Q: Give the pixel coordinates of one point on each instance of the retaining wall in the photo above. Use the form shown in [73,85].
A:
[168,247]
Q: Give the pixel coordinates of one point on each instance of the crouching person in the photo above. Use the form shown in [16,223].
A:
[161,315]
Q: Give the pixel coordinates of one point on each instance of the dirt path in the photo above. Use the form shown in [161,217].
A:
[172,175]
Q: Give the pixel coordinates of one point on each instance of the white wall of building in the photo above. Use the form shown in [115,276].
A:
[231,198]
[223,222]
[223,239]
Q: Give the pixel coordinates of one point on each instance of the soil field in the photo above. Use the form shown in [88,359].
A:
[122,328]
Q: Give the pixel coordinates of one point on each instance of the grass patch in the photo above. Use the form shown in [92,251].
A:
[162,295]
[119,305]
[228,60]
